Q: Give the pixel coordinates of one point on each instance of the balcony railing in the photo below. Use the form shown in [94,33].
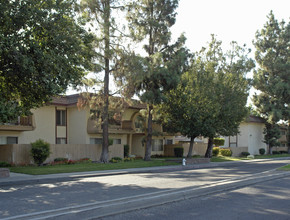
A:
[20,124]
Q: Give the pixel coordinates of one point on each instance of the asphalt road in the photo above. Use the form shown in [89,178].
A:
[18,201]
[264,201]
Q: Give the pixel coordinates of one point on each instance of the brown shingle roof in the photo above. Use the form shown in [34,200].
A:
[255,119]
[73,100]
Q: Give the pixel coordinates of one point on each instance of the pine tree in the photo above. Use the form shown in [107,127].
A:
[272,78]
[159,70]
[107,42]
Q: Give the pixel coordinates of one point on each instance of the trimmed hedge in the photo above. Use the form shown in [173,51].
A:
[215,151]
[262,151]
[226,152]
[245,154]
[40,151]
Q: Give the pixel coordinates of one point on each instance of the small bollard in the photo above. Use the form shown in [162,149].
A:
[183,162]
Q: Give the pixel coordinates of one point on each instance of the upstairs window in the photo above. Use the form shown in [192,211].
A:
[60,117]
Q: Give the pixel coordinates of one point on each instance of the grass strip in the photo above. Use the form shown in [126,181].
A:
[285,168]
[71,168]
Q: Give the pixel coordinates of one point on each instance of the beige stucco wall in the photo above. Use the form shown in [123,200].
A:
[137,148]
[250,138]
[77,126]
[44,119]
[128,113]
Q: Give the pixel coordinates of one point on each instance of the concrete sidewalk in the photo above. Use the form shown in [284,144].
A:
[24,179]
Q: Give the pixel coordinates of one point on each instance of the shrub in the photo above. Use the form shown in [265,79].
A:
[116,159]
[245,154]
[178,151]
[283,152]
[60,159]
[275,152]
[126,150]
[85,160]
[128,159]
[4,164]
[219,141]
[226,152]
[157,156]
[262,151]
[215,151]
[40,151]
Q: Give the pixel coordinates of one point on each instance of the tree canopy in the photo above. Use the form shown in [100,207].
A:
[272,78]
[149,76]
[211,98]
[43,49]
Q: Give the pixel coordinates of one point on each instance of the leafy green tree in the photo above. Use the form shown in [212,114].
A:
[149,76]
[211,98]
[186,108]
[232,91]
[43,49]
[272,78]
[108,48]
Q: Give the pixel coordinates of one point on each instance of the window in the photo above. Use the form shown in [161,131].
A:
[61,117]
[169,141]
[283,133]
[12,140]
[157,145]
[117,141]
[60,140]
[96,140]
[8,140]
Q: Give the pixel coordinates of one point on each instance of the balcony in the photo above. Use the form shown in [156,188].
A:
[20,124]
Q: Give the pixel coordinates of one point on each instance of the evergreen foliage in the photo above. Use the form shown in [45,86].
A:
[272,78]
[100,15]
[151,75]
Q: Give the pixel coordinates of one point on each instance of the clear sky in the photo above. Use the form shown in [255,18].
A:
[229,20]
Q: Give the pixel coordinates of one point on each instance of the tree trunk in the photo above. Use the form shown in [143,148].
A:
[270,149]
[189,154]
[149,135]
[208,153]
[105,145]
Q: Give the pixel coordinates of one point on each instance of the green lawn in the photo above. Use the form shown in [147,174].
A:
[224,159]
[271,156]
[285,168]
[83,167]
[69,168]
